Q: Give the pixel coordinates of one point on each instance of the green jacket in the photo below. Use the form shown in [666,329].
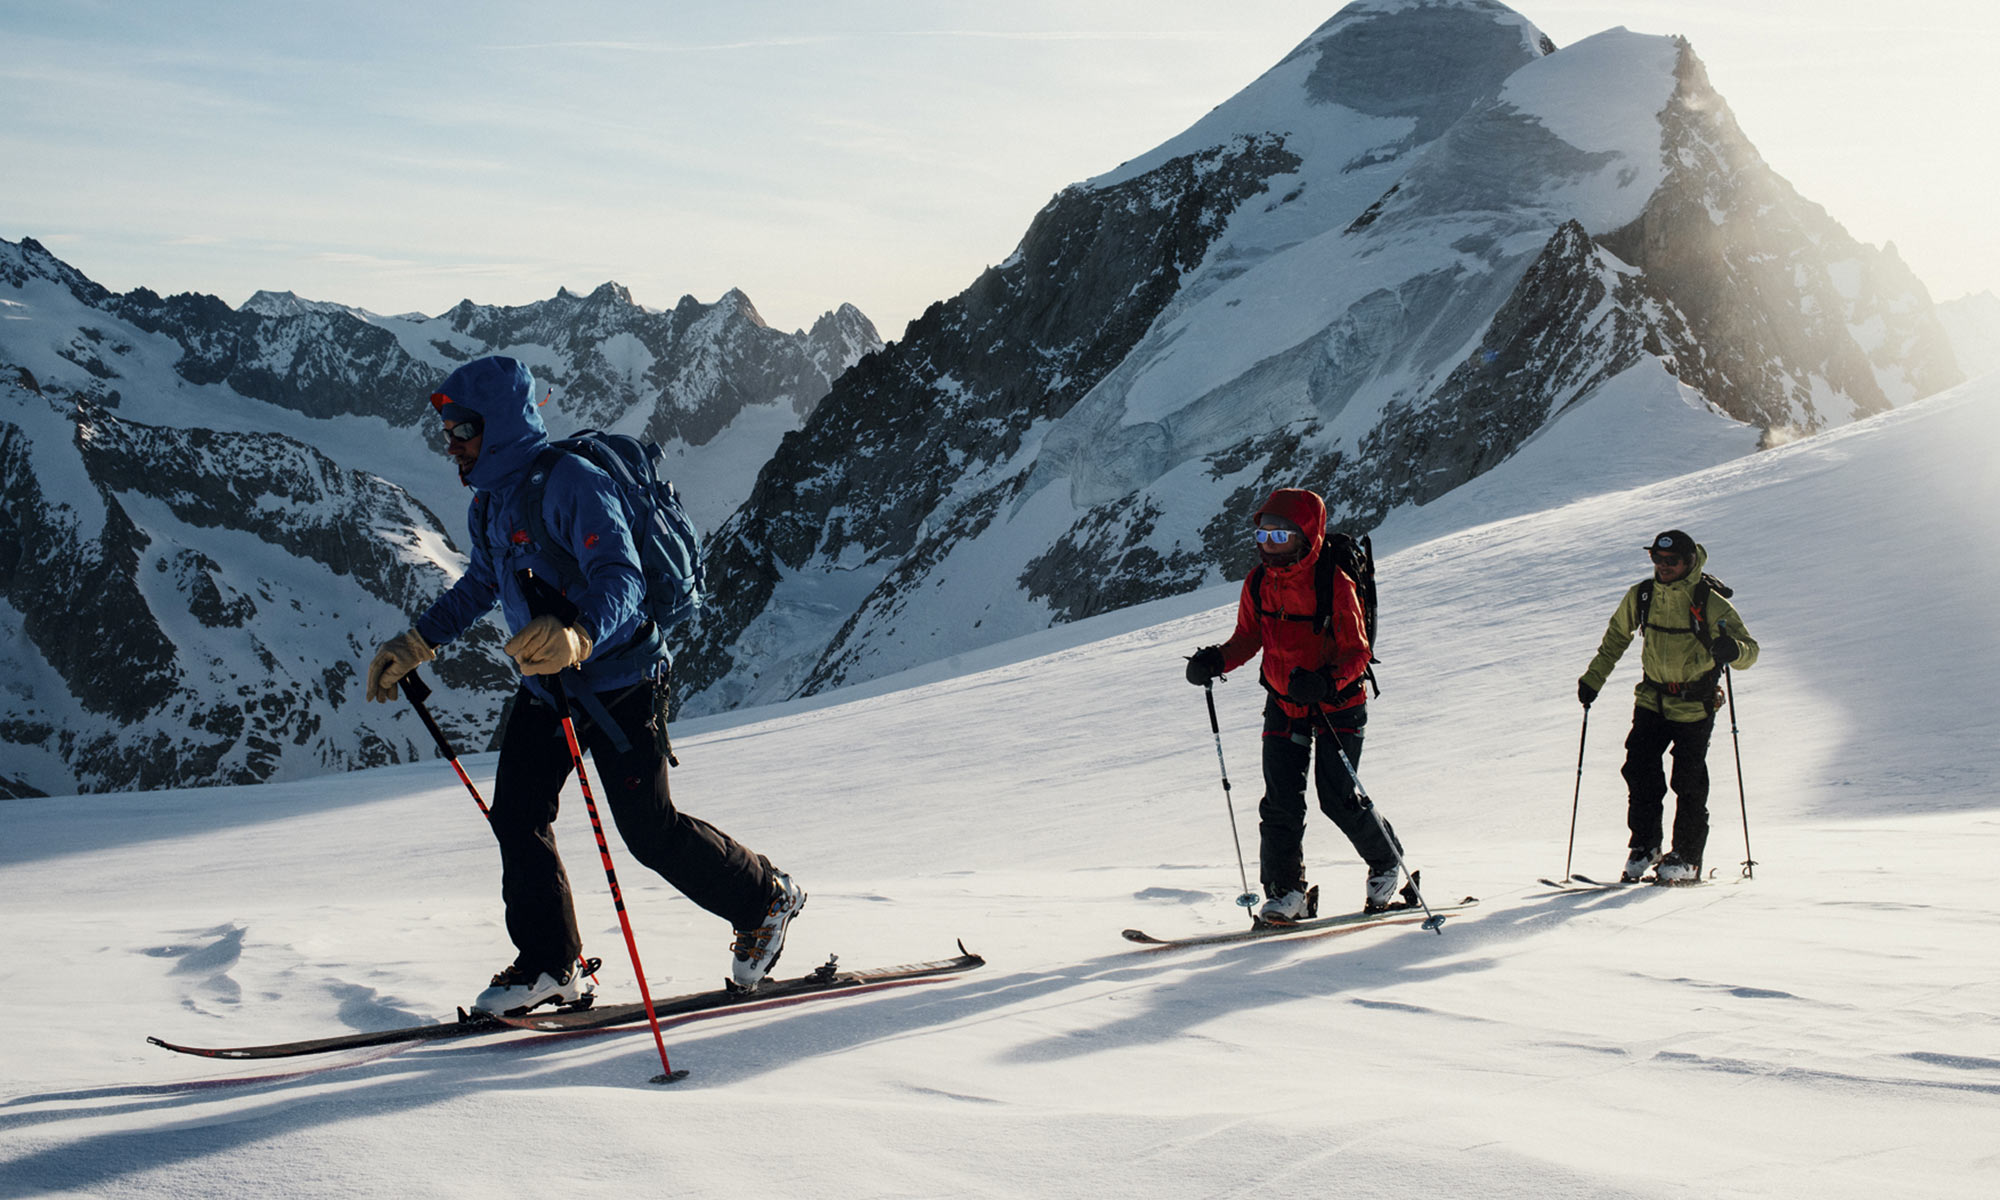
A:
[1672,653]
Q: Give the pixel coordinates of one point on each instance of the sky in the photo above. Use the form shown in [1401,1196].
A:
[402,157]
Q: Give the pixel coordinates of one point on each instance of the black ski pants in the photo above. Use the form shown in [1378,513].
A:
[707,865]
[1281,824]
[1652,736]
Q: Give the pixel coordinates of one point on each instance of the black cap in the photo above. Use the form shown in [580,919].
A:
[1673,541]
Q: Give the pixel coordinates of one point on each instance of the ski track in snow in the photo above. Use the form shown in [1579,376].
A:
[1827,1028]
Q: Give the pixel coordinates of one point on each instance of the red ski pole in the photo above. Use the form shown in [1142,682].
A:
[417,692]
[667,1072]
[543,598]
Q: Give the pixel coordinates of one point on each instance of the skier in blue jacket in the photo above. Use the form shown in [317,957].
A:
[494,433]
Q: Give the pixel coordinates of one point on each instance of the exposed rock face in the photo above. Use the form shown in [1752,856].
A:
[205,532]
[1796,315]
[1414,244]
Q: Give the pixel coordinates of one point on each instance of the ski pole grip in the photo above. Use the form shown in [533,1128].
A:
[415,688]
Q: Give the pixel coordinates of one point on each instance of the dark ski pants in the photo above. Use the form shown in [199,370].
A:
[1652,735]
[1281,825]
[707,865]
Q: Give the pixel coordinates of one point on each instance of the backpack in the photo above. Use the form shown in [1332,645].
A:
[669,548]
[1339,552]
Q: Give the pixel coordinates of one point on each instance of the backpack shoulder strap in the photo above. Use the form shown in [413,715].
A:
[1645,602]
[1698,613]
[534,494]
[1323,589]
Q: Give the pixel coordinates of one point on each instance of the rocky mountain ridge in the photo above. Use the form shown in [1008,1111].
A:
[212,515]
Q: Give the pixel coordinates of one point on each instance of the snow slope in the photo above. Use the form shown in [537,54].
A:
[1827,1029]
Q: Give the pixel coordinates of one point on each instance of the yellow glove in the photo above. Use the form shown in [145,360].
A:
[398,656]
[545,646]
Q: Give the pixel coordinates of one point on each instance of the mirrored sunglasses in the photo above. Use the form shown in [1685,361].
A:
[1275,537]
[463,431]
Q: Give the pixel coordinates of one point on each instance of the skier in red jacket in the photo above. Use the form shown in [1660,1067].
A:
[1314,676]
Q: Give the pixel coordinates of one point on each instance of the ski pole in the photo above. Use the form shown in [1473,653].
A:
[1248,898]
[544,598]
[1569,855]
[1432,921]
[1742,801]
[416,691]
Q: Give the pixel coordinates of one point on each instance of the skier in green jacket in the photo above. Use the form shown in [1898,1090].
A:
[1691,633]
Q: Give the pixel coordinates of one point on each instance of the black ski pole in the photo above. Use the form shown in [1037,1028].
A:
[1432,921]
[1742,801]
[1569,855]
[545,599]
[416,691]
[1247,898]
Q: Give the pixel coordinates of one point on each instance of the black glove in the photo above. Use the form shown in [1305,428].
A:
[1204,665]
[1724,650]
[1585,692]
[1307,687]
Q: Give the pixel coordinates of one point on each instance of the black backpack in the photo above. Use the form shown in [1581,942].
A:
[1340,552]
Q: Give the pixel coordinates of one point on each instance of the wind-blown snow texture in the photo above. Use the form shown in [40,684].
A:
[1378,271]
[1825,1030]
[213,516]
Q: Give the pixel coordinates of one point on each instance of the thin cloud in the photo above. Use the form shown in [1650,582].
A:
[997,35]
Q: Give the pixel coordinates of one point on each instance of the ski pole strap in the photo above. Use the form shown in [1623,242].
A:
[594,709]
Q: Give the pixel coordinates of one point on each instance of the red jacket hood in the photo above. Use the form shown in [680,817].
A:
[1302,508]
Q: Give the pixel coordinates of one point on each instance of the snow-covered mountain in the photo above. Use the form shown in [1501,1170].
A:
[213,515]
[1412,246]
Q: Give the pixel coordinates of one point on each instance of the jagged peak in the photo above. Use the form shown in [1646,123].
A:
[736,299]
[291,304]
[1430,61]
[611,292]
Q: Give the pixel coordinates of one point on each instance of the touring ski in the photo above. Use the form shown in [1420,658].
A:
[828,980]
[1584,883]
[1396,914]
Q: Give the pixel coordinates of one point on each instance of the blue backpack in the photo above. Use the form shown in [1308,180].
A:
[669,547]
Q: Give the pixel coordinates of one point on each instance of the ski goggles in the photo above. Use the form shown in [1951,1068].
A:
[1276,537]
[464,431]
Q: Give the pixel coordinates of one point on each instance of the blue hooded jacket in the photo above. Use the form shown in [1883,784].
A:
[582,511]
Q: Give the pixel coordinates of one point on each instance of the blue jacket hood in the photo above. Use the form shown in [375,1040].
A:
[502,392]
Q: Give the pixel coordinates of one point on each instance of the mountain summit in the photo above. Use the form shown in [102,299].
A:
[1377,271]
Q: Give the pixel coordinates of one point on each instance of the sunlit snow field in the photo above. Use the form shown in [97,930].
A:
[1830,1028]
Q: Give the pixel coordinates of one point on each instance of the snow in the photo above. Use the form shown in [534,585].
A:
[1825,1029]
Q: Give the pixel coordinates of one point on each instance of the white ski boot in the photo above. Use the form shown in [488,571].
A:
[756,950]
[1381,889]
[1289,906]
[1642,860]
[518,989]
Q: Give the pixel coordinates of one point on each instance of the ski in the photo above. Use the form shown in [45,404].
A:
[1395,914]
[827,980]
[1584,883]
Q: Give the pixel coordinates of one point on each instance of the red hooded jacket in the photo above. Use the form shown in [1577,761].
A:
[1288,591]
